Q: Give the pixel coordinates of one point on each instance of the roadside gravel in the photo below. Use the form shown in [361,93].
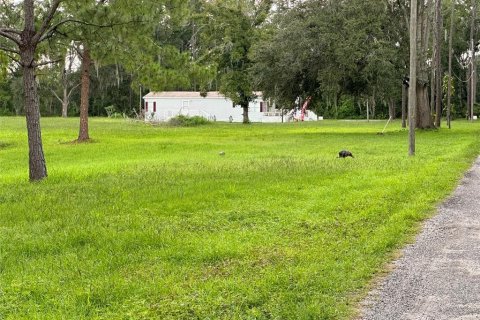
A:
[438,277]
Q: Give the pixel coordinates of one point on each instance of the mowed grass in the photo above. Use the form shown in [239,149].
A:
[152,223]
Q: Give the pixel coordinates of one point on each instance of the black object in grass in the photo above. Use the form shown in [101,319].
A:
[344,154]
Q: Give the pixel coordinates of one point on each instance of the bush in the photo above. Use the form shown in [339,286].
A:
[185,121]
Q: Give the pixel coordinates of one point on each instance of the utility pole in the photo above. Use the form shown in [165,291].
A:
[472,61]
[412,94]
[438,62]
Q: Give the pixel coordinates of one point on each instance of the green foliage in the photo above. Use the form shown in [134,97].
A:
[110,110]
[157,225]
[186,121]
[445,88]
[346,108]
[329,49]
[3,65]
[231,31]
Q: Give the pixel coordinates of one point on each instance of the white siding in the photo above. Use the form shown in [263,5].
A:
[212,108]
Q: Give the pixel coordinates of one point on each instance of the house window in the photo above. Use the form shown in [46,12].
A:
[154,106]
[261,107]
[146,106]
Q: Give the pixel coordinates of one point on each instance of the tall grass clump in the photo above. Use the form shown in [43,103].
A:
[186,121]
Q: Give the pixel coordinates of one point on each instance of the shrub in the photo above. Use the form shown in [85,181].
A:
[110,110]
[185,121]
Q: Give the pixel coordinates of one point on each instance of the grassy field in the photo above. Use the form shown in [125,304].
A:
[152,223]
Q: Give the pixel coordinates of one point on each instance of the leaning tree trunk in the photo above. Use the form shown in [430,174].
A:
[245,113]
[37,165]
[85,93]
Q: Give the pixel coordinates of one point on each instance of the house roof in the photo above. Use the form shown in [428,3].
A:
[187,94]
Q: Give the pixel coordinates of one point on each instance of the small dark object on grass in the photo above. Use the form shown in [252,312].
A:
[344,154]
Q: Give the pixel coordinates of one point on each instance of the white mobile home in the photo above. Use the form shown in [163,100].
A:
[161,106]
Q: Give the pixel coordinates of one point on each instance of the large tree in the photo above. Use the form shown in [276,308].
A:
[24,28]
[330,50]
[412,92]
[231,28]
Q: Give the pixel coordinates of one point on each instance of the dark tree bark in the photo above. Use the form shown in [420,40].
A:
[423,115]
[27,41]
[37,165]
[28,45]
[85,94]
[245,113]
[404,106]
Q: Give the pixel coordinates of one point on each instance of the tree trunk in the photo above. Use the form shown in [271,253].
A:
[391,109]
[28,44]
[37,165]
[368,111]
[404,105]
[413,77]
[245,113]
[473,74]
[65,102]
[438,63]
[423,115]
[85,94]
[450,54]
[469,89]
[432,83]
[374,106]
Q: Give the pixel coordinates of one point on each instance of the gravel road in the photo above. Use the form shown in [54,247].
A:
[438,277]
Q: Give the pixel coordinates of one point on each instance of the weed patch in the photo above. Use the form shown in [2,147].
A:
[185,121]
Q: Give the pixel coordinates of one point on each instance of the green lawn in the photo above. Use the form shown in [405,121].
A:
[152,223]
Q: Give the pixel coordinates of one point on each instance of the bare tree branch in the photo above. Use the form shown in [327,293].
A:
[73,88]
[10,30]
[47,62]
[9,50]
[14,59]
[46,21]
[56,95]
[6,33]
[55,27]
